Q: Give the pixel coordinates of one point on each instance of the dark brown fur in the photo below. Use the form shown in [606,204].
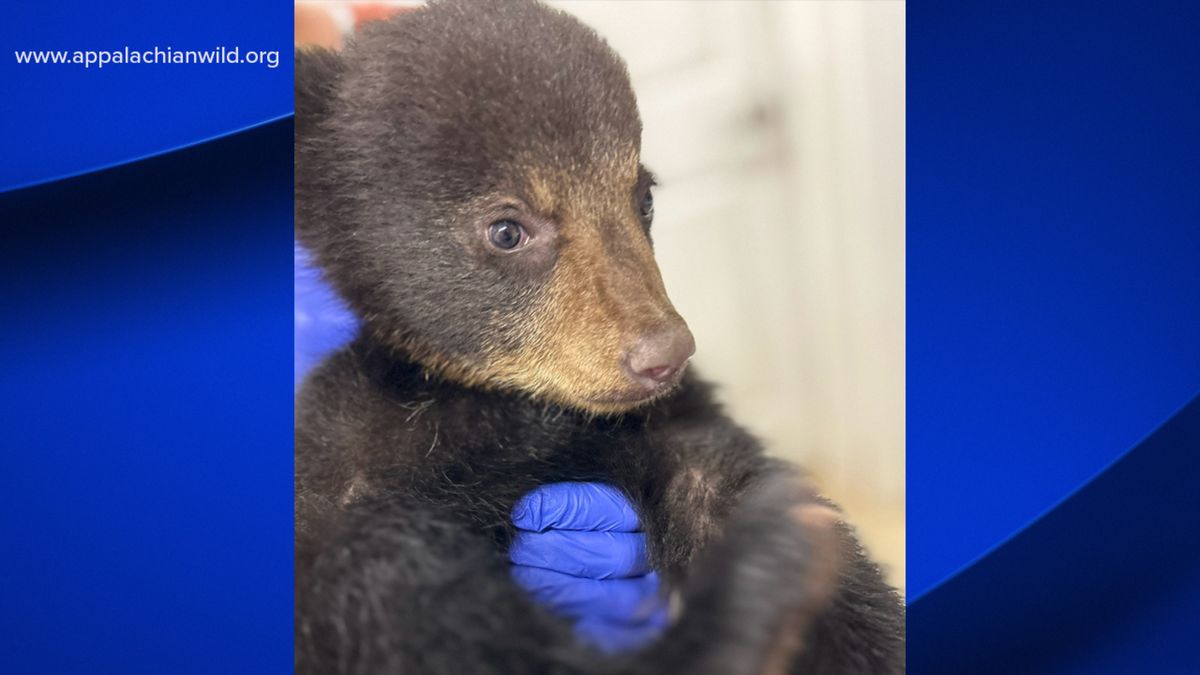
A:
[479,376]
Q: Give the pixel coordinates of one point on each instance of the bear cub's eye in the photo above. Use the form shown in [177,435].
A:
[506,234]
[647,205]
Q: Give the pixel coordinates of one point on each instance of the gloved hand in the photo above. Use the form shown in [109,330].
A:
[323,323]
[580,551]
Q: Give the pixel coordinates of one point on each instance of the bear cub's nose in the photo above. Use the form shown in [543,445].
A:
[658,358]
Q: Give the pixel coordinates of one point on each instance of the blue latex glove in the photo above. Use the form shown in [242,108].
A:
[322,321]
[580,551]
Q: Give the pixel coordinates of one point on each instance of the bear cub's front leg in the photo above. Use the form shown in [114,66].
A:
[768,569]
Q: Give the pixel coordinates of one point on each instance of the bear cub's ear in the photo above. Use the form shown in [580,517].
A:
[317,72]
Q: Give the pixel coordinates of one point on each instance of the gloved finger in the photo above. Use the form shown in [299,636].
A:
[616,637]
[593,555]
[575,506]
[631,601]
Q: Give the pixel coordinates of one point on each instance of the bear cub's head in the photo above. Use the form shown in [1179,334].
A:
[468,176]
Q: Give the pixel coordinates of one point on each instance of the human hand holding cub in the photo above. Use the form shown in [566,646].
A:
[579,550]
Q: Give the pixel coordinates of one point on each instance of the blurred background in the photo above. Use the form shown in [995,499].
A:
[777,133]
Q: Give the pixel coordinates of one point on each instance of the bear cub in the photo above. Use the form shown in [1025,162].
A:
[468,179]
